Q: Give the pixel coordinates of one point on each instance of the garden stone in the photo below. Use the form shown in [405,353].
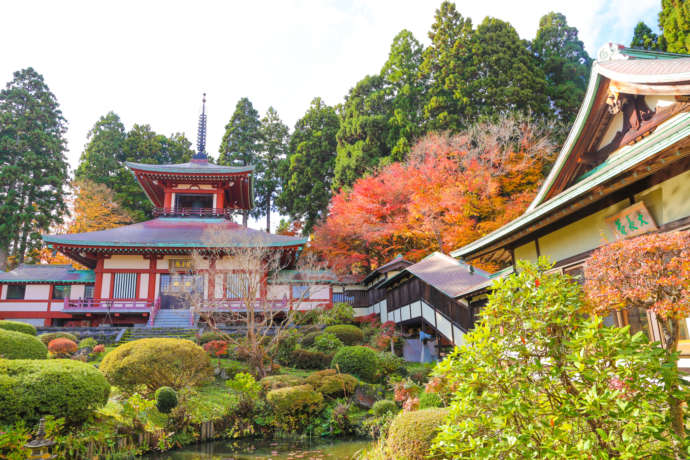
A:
[367,394]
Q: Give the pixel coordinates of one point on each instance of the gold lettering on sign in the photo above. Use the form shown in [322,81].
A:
[179,265]
[631,221]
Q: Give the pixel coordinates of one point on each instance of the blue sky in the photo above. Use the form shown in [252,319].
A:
[149,61]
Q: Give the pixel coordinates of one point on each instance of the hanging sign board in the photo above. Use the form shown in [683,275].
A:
[631,221]
[179,265]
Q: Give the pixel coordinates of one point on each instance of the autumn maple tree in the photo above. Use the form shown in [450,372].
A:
[451,190]
[651,272]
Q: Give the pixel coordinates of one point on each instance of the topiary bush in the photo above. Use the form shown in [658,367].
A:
[294,407]
[274,382]
[348,334]
[308,359]
[359,361]
[411,433]
[333,384]
[384,406]
[327,342]
[17,345]
[30,389]
[153,363]
[62,348]
[307,341]
[48,337]
[88,342]
[18,326]
[166,399]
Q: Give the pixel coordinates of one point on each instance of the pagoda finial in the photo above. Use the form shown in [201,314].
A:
[200,155]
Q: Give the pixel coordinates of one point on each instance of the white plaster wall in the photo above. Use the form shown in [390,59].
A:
[37,291]
[105,287]
[38,305]
[158,285]
[3,293]
[133,262]
[227,263]
[143,285]
[278,291]
[76,291]
[319,292]
[669,200]
[219,294]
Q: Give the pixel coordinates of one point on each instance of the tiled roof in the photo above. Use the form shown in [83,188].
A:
[398,262]
[448,275]
[191,167]
[306,276]
[27,273]
[174,232]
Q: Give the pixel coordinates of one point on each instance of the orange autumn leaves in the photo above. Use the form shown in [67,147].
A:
[449,192]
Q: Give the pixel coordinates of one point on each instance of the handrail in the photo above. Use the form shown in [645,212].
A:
[106,304]
[154,312]
[194,212]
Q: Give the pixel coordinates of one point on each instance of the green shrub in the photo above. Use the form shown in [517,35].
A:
[389,364]
[18,326]
[294,407]
[153,363]
[233,367]
[332,384]
[327,342]
[166,399]
[274,382]
[245,385]
[411,433]
[17,345]
[359,361]
[50,336]
[308,359]
[307,340]
[30,389]
[88,342]
[384,406]
[348,334]
[286,347]
[339,313]
[427,400]
[206,337]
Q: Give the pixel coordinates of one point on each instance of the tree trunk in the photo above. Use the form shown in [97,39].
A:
[671,329]
[268,215]
[245,218]
[3,259]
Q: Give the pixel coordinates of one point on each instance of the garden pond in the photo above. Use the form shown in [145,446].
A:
[314,449]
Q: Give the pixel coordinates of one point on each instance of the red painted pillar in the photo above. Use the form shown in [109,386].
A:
[152,278]
[220,194]
[98,284]
[212,278]
[167,202]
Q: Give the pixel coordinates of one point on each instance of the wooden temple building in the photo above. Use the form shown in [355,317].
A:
[137,274]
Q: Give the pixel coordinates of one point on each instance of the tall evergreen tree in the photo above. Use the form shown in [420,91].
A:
[644,38]
[33,168]
[363,131]
[405,86]
[308,172]
[503,76]
[275,135]
[102,155]
[674,22]
[565,63]
[241,142]
[444,68]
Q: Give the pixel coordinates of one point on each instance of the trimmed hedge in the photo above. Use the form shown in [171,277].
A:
[332,384]
[307,340]
[17,345]
[18,326]
[30,389]
[308,359]
[50,336]
[274,382]
[348,334]
[153,363]
[359,361]
[294,407]
[166,399]
[411,433]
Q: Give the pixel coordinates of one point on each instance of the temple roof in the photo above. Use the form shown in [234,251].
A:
[448,275]
[192,167]
[397,263]
[27,273]
[173,232]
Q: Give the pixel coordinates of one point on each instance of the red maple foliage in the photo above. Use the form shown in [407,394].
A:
[451,190]
[62,347]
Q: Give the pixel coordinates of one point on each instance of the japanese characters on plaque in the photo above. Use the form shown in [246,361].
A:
[179,265]
[631,221]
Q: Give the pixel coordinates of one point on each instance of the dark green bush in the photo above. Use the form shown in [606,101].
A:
[153,363]
[166,399]
[294,407]
[50,336]
[327,342]
[17,345]
[18,326]
[307,340]
[210,337]
[30,389]
[308,359]
[348,334]
[389,364]
[411,433]
[385,406]
[88,342]
[359,361]
[286,346]
[274,382]
[427,400]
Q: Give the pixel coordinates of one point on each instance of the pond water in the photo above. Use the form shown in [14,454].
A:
[315,449]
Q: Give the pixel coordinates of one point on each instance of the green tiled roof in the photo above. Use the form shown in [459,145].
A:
[191,168]
[49,274]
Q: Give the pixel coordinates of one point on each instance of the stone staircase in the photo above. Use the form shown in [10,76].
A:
[166,318]
[136,333]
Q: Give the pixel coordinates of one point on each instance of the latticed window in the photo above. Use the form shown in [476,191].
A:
[125,286]
[237,287]
[60,292]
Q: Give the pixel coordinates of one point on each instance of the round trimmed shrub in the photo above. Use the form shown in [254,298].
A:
[311,359]
[88,342]
[333,385]
[166,399]
[30,389]
[50,336]
[18,326]
[384,406]
[359,361]
[63,348]
[274,382]
[294,407]
[347,333]
[411,433]
[153,363]
[327,342]
[307,341]
[17,345]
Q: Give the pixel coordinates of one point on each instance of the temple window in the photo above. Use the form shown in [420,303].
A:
[236,286]
[60,292]
[16,291]
[194,201]
[125,286]
[300,292]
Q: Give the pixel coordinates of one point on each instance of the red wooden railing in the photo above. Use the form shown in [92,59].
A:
[106,304]
[154,311]
[198,212]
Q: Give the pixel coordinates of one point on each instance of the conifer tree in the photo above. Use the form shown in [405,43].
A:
[308,172]
[275,135]
[241,142]
[674,21]
[565,63]
[644,38]
[33,168]
[100,160]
